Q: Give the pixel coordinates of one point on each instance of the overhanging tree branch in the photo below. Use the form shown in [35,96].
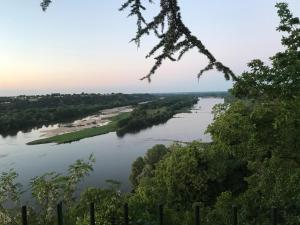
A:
[175,39]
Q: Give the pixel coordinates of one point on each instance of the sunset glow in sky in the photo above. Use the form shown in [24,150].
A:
[84,45]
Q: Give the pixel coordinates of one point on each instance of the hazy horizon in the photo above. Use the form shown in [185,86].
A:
[153,93]
[83,46]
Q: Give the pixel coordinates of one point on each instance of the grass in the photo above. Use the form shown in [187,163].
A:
[85,133]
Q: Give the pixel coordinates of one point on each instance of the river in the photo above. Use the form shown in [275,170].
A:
[114,155]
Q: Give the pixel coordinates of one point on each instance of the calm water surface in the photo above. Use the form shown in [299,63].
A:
[114,155]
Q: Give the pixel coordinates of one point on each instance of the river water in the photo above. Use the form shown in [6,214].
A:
[114,155]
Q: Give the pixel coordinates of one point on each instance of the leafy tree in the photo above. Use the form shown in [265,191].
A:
[10,193]
[263,129]
[142,167]
[47,190]
[155,154]
[188,174]
[108,204]
[136,171]
[282,78]
[266,122]
[154,112]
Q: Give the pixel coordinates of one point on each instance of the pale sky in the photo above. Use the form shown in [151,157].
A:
[83,46]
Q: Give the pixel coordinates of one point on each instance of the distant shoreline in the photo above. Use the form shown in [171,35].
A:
[196,93]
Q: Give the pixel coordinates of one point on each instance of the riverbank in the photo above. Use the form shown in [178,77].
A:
[111,126]
[97,120]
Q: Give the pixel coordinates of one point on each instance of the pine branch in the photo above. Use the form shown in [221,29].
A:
[175,38]
[45,4]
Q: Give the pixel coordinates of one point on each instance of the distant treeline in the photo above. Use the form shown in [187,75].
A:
[156,112]
[27,112]
[215,94]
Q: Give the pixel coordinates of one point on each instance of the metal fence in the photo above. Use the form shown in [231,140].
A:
[60,220]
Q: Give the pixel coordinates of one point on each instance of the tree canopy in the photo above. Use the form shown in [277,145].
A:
[282,78]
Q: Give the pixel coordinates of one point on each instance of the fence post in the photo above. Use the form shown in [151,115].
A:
[126,214]
[113,220]
[92,214]
[59,214]
[234,215]
[197,215]
[24,215]
[274,216]
[161,214]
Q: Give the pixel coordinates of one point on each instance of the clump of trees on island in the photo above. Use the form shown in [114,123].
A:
[252,162]
[153,113]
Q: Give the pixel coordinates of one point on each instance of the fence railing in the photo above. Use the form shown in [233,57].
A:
[60,220]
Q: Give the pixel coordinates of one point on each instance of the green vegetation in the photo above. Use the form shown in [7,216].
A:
[182,175]
[156,112]
[208,94]
[85,133]
[253,161]
[27,112]
[143,116]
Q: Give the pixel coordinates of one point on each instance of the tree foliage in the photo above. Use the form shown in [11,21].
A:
[262,126]
[155,112]
[144,166]
[47,191]
[282,78]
